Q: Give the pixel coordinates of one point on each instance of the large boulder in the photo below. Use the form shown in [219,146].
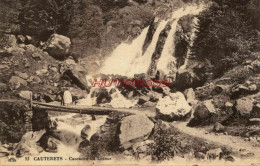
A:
[173,107]
[58,46]
[133,127]
[204,110]
[15,82]
[190,95]
[28,144]
[244,106]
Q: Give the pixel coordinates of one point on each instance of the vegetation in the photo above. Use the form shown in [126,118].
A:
[226,34]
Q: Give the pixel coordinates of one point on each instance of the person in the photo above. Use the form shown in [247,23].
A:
[67,98]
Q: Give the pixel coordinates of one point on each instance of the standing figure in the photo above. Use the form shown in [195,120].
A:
[67,98]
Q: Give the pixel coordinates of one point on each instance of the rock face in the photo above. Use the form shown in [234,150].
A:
[244,106]
[173,107]
[58,46]
[133,127]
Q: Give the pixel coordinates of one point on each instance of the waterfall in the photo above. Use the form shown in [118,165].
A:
[127,59]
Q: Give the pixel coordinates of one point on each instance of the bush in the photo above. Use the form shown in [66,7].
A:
[12,121]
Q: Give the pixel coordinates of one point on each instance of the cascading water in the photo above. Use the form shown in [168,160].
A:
[127,59]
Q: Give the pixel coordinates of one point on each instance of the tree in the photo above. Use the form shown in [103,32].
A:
[43,17]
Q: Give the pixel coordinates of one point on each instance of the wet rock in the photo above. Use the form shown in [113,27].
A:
[58,46]
[133,127]
[190,95]
[85,132]
[8,41]
[49,144]
[218,127]
[173,107]
[214,153]
[25,94]
[15,82]
[83,145]
[244,106]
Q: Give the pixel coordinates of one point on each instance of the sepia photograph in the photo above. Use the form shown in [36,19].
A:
[129,82]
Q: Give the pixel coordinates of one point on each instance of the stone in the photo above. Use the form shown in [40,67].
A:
[200,155]
[252,88]
[244,106]
[22,75]
[218,127]
[214,153]
[37,56]
[85,132]
[133,127]
[255,113]
[25,94]
[8,41]
[34,79]
[204,110]
[58,46]
[189,95]
[28,144]
[3,86]
[83,145]
[143,99]
[41,72]
[173,107]
[21,38]
[15,82]
[49,144]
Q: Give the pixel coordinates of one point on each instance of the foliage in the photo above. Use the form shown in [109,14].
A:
[11,121]
[107,5]
[225,34]
[85,28]
[44,17]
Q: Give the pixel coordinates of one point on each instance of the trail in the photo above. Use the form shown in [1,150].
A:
[234,142]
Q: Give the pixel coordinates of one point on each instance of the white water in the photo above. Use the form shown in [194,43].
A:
[127,59]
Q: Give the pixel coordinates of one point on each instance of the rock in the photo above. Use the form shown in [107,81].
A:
[58,46]
[252,88]
[3,86]
[16,51]
[37,56]
[173,107]
[186,79]
[8,41]
[34,79]
[214,153]
[77,76]
[83,145]
[142,147]
[244,106]
[22,75]
[190,95]
[219,89]
[218,127]
[204,110]
[49,144]
[25,94]
[85,132]
[15,82]
[255,113]
[66,137]
[41,72]
[143,99]
[21,38]
[200,155]
[133,127]
[238,90]
[28,144]
[149,104]
[77,93]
